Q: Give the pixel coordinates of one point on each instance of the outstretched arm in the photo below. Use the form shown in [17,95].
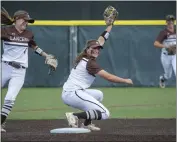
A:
[113,78]
[94,69]
[104,36]
[110,14]
[49,58]
[35,47]
[39,51]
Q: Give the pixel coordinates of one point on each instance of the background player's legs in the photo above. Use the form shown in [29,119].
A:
[174,63]
[97,94]
[167,65]
[15,84]
[6,74]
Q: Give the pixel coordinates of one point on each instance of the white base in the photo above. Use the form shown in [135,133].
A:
[70,130]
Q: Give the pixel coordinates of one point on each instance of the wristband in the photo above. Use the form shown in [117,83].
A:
[38,51]
[105,35]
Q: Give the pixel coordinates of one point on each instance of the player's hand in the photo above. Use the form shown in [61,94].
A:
[129,81]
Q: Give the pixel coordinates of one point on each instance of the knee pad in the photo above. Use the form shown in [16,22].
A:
[100,96]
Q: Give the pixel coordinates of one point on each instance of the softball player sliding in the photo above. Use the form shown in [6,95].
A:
[16,41]
[166,40]
[75,90]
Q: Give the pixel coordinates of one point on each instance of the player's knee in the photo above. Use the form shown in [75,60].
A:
[106,114]
[100,96]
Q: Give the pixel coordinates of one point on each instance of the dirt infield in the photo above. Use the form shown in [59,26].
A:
[126,130]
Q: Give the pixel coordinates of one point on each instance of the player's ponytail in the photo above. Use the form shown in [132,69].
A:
[5,17]
[79,57]
[83,54]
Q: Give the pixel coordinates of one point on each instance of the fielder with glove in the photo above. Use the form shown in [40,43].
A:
[16,42]
[76,90]
[6,19]
[166,40]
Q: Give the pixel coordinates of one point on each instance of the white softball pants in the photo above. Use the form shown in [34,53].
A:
[169,64]
[85,100]
[15,77]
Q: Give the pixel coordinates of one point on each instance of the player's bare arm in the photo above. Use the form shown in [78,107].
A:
[94,69]
[110,14]
[157,44]
[104,36]
[39,50]
[50,59]
[112,78]
[169,48]
[102,39]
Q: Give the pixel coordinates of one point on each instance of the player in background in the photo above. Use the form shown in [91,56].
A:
[16,41]
[166,40]
[76,92]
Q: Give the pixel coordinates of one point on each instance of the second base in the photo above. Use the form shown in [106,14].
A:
[70,130]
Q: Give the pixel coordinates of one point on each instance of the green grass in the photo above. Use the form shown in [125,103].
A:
[46,103]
